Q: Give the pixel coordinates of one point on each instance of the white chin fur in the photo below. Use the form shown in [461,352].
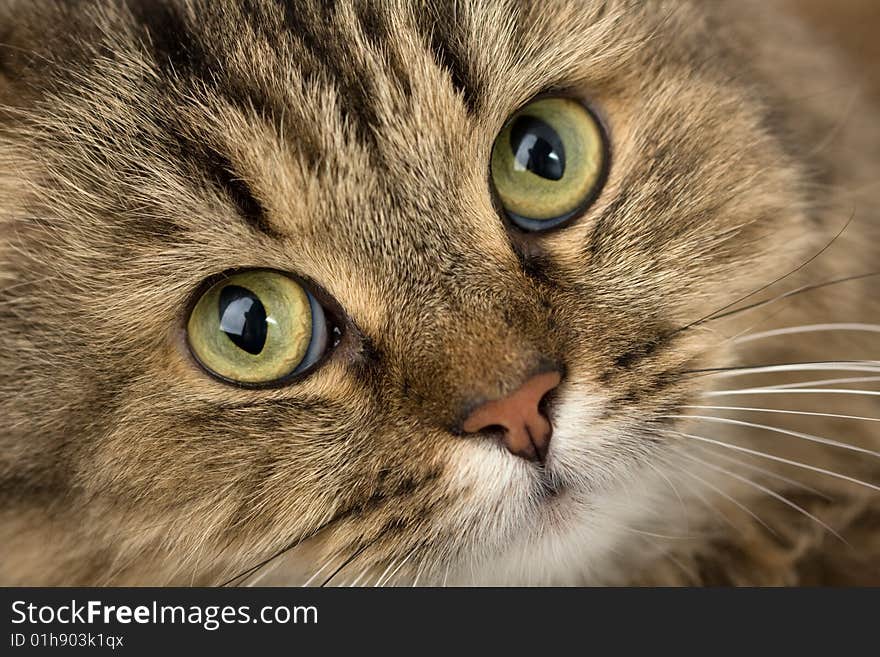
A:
[605,515]
[602,517]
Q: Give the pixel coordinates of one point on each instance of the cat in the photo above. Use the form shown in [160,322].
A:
[571,292]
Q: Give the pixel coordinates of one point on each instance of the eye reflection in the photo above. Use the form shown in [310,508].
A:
[537,148]
[243,318]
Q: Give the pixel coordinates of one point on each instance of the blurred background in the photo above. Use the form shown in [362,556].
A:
[854,25]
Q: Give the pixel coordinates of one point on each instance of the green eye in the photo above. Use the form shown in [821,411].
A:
[257,327]
[548,163]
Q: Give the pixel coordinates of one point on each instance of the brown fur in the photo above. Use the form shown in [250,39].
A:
[740,146]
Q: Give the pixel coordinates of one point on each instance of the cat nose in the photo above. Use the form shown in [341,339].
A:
[525,430]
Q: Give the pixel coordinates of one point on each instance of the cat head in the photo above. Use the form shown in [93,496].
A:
[294,277]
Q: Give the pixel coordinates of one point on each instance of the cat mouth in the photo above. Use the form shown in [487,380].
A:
[547,486]
[550,490]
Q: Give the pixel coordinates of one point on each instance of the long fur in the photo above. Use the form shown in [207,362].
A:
[148,145]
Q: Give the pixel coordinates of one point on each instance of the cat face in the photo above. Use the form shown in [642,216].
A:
[339,160]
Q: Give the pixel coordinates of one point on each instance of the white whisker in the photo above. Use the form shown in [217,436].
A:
[265,571]
[380,582]
[415,582]
[752,327]
[664,553]
[699,493]
[834,366]
[764,471]
[317,572]
[810,328]
[358,578]
[784,412]
[787,432]
[675,491]
[642,532]
[771,457]
[824,382]
[769,492]
[385,572]
[791,391]
[729,498]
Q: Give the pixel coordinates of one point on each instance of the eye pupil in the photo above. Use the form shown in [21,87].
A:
[537,147]
[243,318]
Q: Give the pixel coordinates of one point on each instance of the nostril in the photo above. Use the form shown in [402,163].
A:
[547,402]
[493,429]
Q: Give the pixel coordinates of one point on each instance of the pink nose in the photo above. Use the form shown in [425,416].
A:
[525,430]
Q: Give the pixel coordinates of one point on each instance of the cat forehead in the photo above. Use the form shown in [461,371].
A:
[366,50]
[368,125]
[341,97]
[341,84]
[364,69]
